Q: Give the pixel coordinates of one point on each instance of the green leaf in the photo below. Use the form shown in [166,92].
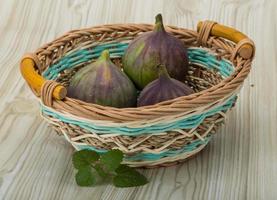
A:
[100,171]
[84,158]
[112,159]
[85,177]
[123,169]
[128,177]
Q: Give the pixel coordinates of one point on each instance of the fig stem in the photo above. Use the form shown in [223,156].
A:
[159,26]
[105,55]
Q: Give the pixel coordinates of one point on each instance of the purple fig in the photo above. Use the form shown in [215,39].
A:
[103,83]
[162,89]
[148,50]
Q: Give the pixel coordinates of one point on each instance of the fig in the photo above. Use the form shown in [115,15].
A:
[162,89]
[103,83]
[148,50]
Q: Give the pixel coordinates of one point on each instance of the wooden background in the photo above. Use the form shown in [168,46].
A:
[240,162]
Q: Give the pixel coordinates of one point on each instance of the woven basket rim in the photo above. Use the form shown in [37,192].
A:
[203,98]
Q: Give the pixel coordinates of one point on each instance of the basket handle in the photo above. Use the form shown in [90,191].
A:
[246,48]
[35,81]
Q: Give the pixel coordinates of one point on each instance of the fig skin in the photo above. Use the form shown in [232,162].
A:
[103,83]
[162,89]
[150,49]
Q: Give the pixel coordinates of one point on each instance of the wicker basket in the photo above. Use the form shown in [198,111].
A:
[157,135]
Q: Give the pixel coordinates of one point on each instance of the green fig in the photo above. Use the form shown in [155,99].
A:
[162,89]
[148,50]
[103,83]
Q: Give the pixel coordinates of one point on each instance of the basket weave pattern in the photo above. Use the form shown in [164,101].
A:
[157,135]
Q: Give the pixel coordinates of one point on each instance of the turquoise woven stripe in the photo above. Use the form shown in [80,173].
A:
[196,55]
[151,156]
[82,56]
[208,60]
[185,123]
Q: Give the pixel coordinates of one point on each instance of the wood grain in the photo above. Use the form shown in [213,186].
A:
[240,162]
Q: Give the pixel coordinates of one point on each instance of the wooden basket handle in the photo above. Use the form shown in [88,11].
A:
[246,50]
[35,81]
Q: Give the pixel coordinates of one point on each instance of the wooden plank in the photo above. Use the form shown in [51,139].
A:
[240,162]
